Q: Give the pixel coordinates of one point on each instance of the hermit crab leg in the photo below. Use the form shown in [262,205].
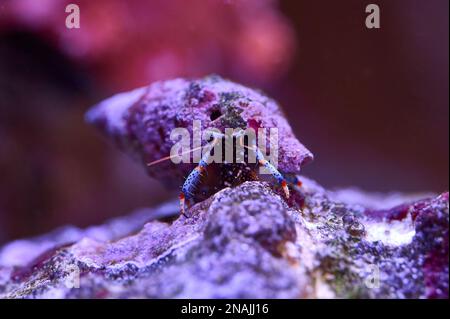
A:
[294,180]
[272,169]
[193,179]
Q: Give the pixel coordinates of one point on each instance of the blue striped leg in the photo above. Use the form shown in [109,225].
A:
[294,180]
[275,173]
[193,179]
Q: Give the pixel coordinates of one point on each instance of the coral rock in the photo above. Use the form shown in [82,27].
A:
[141,121]
[243,242]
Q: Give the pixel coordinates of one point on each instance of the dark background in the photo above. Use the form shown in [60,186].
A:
[372,105]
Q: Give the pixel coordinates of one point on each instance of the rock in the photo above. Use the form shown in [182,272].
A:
[141,121]
[244,242]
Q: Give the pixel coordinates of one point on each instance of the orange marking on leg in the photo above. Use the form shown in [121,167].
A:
[285,188]
[262,161]
[200,168]
[182,204]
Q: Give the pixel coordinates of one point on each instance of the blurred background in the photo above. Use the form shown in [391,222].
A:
[371,104]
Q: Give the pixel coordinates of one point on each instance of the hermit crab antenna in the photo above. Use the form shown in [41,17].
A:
[214,142]
[172,156]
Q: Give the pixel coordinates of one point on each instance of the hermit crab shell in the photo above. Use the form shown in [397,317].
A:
[140,121]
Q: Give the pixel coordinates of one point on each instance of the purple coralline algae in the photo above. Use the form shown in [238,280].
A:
[141,121]
[243,242]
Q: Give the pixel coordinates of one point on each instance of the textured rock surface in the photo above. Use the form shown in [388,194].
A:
[141,121]
[245,242]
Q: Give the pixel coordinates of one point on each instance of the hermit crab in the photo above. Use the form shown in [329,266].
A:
[143,121]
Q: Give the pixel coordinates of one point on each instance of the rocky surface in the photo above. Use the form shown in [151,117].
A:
[241,240]
[245,242]
[140,122]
